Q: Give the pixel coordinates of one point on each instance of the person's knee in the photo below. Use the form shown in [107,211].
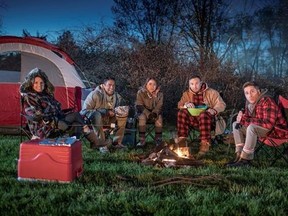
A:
[142,119]
[159,122]
[251,128]
[95,117]
[235,124]
[182,113]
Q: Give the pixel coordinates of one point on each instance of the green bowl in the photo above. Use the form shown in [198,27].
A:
[197,110]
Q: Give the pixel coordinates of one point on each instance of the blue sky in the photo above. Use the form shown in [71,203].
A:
[50,16]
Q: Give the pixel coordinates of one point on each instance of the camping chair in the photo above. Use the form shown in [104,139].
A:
[274,148]
[150,128]
[215,138]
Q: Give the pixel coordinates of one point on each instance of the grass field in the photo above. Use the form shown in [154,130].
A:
[117,184]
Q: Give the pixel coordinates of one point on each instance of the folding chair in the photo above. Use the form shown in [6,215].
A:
[215,138]
[150,128]
[275,148]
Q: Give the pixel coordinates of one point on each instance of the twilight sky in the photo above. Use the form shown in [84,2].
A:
[49,16]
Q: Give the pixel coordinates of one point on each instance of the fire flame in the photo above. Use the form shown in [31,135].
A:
[183,152]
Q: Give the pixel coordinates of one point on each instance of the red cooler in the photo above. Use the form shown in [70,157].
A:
[38,161]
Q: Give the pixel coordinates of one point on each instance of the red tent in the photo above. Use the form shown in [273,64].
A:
[35,52]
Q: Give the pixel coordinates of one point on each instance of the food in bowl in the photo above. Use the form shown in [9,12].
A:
[197,110]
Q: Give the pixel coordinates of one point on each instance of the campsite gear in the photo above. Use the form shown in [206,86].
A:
[57,159]
[197,110]
[58,66]
[122,111]
[276,148]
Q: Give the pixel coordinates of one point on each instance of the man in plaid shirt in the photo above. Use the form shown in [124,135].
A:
[260,116]
[198,94]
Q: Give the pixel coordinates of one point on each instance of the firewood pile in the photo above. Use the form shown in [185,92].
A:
[166,155]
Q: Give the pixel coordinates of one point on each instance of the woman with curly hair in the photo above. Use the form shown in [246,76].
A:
[45,111]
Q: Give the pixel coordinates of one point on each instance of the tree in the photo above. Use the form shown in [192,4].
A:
[148,21]
[68,44]
[202,23]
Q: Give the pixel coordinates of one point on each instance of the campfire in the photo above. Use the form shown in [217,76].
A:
[166,155]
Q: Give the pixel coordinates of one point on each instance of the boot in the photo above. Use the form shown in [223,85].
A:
[94,140]
[241,163]
[158,138]
[236,159]
[141,142]
[204,148]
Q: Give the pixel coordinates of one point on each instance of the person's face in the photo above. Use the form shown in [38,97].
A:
[109,87]
[195,84]
[252,94]
[151,85]
[38,84]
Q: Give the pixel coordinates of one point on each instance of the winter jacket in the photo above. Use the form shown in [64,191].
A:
[148,102]
[98,100]
[266,113]
[211,98]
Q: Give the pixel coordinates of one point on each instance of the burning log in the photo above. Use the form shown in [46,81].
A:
[171,156]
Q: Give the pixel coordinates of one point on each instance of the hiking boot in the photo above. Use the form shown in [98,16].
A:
[237,158]
[181,141]
[204,147]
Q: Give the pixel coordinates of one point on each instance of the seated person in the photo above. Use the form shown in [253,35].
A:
[260,116]
[198,94]
[102,107]
[149,102]
[45,111]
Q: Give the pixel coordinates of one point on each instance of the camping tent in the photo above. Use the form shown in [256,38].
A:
[35,52]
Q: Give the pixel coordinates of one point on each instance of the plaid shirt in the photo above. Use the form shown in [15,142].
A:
[267,114]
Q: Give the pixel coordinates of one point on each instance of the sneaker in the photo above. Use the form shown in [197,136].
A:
[140,144]
[104,149]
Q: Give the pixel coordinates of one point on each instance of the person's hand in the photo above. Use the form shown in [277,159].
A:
[189,105]
[152,116]
[212,111]
[239,116]
[110,113]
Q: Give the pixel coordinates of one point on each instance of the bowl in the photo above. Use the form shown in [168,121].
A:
[197,110]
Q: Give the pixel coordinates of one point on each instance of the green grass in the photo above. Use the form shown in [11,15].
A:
[118,184]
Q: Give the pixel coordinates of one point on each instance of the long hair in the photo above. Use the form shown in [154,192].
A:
[27,85]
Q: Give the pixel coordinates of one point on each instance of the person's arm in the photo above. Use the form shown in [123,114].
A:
[266,114]
[159,104]
[185,101]
[140,104]
[32,108]
[215,101]
[92,103]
